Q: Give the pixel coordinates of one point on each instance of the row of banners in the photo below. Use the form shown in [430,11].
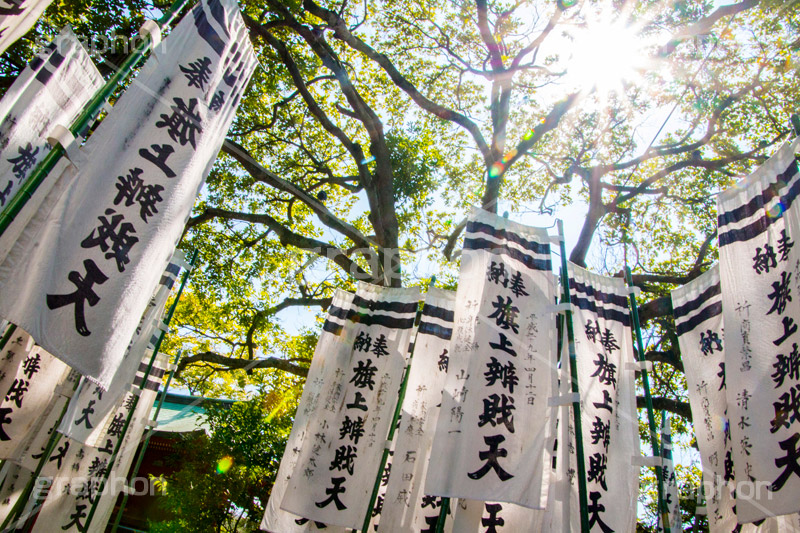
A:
[486,414]
[87,266]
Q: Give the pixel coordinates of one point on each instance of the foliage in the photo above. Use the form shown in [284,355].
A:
[226,477]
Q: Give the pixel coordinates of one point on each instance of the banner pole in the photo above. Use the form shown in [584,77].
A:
[83,122]
[7,335]
[140,456]
[573,369]
[136,397]
[651,419]
[385,457]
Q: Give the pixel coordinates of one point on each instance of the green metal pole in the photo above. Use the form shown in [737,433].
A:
[140,457]
[651,419]
[7,335]
[118,445]
[82,123]
[573,369]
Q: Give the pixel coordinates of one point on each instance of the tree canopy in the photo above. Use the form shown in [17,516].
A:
[372,127]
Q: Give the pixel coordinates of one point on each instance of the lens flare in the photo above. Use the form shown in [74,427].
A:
[496,169]
[224,464]
[776,210]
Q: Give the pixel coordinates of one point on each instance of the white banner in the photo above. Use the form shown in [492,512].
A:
[17,349]
[79,469]
[81,274]
[406,508]
[34,447]
[325,379]
[606,381]
[27,397]
[670,484]
[17,17]
[473,516]
[52,90]
[490,443]
[337,469]
[91,404]
[13,480]
[759,225]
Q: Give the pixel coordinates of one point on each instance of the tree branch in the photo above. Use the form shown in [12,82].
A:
[232,363]
[667,404]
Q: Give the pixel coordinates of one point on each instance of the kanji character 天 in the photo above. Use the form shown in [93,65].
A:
[497,410]
[198,73]
[606,372]
[83,294]
[120,236]
[84,418]
[492,521]
[595,508]
[76,518]
[781,293]
[505,374]
[24,161]
[598,463]
[789,462]
[184,122]
[363,375]
[786,366]
[491,457]
[379,346]
[762,262]
[363,342]
[31,366]
[159,159]
[505,314]
[353,429]
[787,409]
[333,494]
[5,419]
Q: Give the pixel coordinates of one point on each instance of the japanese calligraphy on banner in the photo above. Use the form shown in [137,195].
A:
[490,442]
[81,274]
[27,397]
[473,516]
[670,480]
[406,507]
[321,396]
[91,404]
[17,17]
[17,349]
[759,224]
[34,447]
[53,89]
[604,353]
[336,470]
[13,479]
[78,469]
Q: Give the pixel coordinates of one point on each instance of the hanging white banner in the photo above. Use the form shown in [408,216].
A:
[78,469]
[670,483]
[91,404]
[13,480]
[34,447]
[26,398]
[609,421]
[406,508]
[759,225]
[17,349]
[473,516]
[337,467]
[17,17]
[52,90]
[81,275]
[490,442]
[321,395]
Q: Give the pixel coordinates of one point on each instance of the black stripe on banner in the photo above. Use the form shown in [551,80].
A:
[605,297]
[602,312]
[218,12]
[332,327]
[438,312]
[395,307]
[429,328]
[533,246]
[503,249]
[751,208]
[154,370]
[338,312]
[167,281]
[150,385]
[44,74]
[684,309]
[206,31]
[709,312]
[380,320]
[173,269]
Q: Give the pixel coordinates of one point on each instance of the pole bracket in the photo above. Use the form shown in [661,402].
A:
[61,135]
[639,366]
[150,29]
[566,399]
[640,460]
